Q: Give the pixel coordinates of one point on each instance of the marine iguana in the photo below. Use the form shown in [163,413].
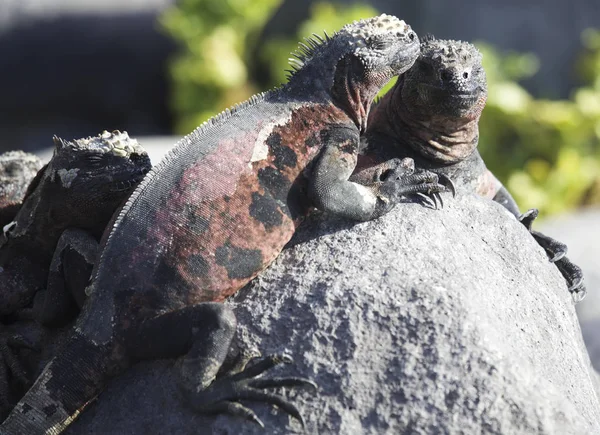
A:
[17,169]
[431,115]
[214,213]
[51,244]
[77,192]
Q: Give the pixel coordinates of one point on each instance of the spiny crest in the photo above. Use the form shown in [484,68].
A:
[361,35]
[449,51]
[369,27]
[356,38]
[306,50]
[117,142]
[191,140]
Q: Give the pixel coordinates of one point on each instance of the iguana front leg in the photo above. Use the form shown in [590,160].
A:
[332,190]
[555,250]
[402,176]
[70,270]
[203,334]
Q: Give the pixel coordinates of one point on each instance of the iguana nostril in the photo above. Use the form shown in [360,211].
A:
[465,75]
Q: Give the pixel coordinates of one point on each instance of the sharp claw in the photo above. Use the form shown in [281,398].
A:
[528,217]
[447,183]
[280,402]
[262,366]
[283,382]
[439,198]
[258,421]
[578,296]
[434,200]
[558,256]
[427,200]
[577,284]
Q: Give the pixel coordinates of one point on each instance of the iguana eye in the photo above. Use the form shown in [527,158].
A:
[94,159]
[378,44]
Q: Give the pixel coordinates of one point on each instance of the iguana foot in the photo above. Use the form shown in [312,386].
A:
[554,249]
[528,217]
[574,277]
[224,394]
[402,179]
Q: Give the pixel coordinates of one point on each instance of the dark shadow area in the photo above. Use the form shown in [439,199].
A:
[77,75]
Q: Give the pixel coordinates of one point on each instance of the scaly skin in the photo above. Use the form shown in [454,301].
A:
[432,116]
[17,169]
[81,187]
[51,244]
[215,212]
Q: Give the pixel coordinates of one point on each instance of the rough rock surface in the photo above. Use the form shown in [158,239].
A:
[424,321]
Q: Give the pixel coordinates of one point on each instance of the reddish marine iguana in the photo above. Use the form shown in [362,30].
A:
[431,115]
[215,212]
[17,169]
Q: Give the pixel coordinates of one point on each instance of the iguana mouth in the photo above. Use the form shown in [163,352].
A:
[128,183]
[436,94]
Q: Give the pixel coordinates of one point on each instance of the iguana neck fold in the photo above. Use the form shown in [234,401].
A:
[436,137]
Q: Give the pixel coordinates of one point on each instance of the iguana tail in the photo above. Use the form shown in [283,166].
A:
[67,384]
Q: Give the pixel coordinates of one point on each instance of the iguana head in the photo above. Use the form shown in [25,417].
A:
[93,175]
[447,79]
[356,62]
[109,162]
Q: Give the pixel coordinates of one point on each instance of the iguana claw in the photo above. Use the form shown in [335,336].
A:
[574,277]
[223,394]
[528,217]
[445,181]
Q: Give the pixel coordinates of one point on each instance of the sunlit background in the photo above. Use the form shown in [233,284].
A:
[161,67]
[158,68]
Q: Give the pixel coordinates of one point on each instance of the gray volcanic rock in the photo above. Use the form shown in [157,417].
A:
[424,321]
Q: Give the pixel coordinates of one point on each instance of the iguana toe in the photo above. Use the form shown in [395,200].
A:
[236,410]
[574,277]
[438,198]
[554,249]
[224,394]
[447,183]
[402,182]
[426,201]
[528,217]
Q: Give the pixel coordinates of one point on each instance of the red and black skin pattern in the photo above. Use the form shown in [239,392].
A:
[80,187]
[431,115]
[213,214]
[17,169]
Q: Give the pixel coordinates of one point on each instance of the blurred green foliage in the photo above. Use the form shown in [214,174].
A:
[211,71]
[547,152]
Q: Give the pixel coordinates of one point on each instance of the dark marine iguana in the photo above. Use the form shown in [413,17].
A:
[214,213]
[77,191]
[431,115]
[51,244]
[17,169]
